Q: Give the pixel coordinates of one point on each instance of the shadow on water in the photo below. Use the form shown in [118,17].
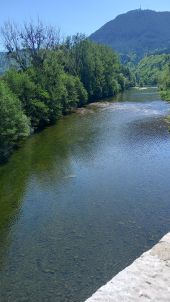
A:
[83,199]
[45,156]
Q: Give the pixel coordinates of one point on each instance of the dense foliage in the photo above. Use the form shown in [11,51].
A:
[150,69]
[155,70]
[14,125]
[48,79]
[165,84]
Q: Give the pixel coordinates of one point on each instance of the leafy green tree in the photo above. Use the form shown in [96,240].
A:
[165,84]
[50,78]
[32,97]
[151,68]
[75,93]
[14,125]
[97,66]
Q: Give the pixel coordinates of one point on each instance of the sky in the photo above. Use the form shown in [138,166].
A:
[73,16]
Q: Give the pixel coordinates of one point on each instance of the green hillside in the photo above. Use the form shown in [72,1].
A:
[150,69]
[139,31]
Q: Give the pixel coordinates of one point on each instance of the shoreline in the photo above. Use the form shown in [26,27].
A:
[90,107]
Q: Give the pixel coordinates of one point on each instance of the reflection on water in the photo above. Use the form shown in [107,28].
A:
[81,200]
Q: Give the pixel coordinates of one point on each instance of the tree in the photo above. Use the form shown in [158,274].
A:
[32,97]
[14,125]
[151,68]
[51,78]
[165,84]
[97,66]
[29,44]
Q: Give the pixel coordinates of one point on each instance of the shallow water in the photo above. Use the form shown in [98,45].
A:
[81,200]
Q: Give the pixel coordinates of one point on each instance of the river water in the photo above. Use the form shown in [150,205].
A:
[82,199]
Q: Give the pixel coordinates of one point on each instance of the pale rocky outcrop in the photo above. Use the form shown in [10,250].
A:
[146,279]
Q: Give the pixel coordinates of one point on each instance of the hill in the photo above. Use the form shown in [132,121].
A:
[139,31]
[150,70]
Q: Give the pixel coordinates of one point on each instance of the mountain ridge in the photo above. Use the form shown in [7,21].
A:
[140,31]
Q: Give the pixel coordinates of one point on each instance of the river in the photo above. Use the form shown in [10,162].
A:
[82,199]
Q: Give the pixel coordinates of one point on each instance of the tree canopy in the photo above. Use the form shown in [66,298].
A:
[48,77]
[150,70]
[14,125]
[165,84]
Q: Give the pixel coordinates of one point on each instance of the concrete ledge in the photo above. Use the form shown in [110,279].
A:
[146,279]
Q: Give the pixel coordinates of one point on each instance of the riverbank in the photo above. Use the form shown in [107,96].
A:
[146,279]
[90,106]
[8,145]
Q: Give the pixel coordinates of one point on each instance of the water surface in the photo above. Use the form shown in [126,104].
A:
[81,200]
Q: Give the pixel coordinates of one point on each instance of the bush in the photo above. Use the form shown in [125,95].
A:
[14,125]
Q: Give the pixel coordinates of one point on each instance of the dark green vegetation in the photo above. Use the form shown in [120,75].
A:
[165,84]
[139,31]
[14,125]
[151,69]
[48,78]
[154,70]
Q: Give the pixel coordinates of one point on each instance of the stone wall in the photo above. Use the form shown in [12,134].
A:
[146,279]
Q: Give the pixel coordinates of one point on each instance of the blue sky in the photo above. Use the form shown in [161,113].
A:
[73,16]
